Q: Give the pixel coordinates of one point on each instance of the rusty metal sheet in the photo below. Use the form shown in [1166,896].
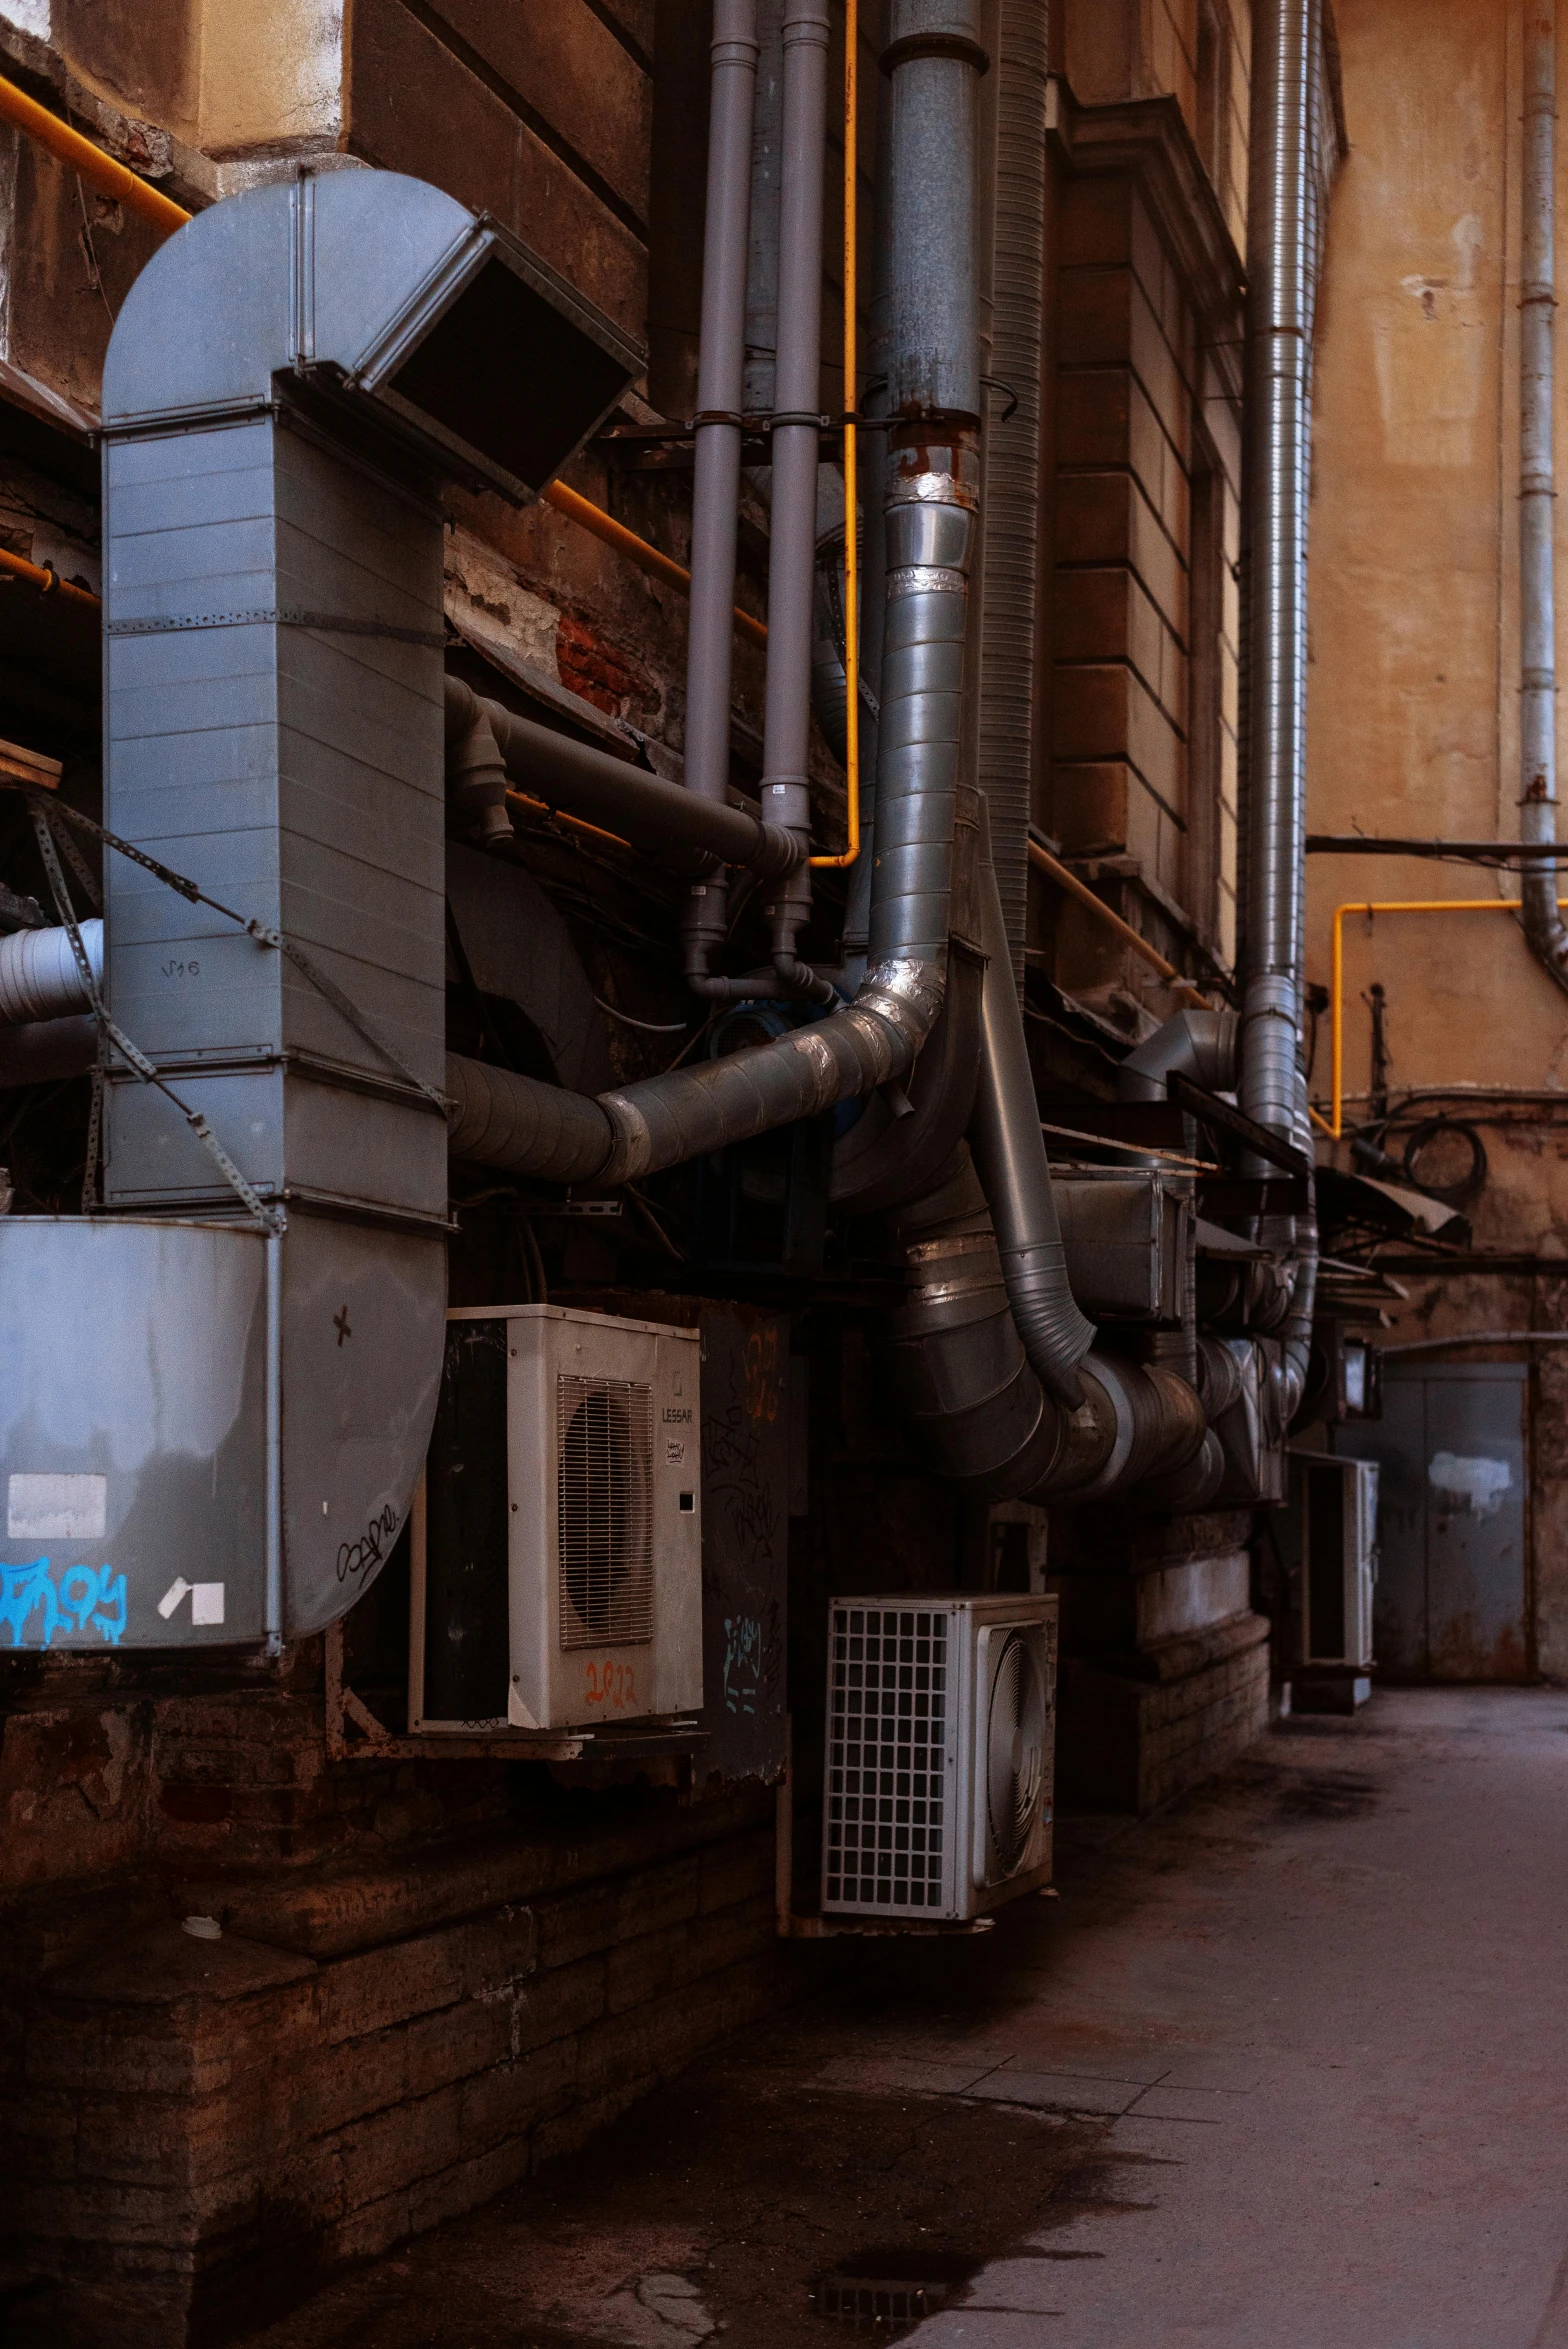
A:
[1453,1588]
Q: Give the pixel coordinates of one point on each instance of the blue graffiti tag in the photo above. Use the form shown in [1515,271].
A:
[742,1662]
[77,1597]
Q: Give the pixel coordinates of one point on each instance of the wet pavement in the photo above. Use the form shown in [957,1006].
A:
[1283,2068]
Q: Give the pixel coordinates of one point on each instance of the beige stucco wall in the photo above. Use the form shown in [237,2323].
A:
[1413,724]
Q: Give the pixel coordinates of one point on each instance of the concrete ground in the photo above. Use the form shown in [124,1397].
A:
[1283,2068]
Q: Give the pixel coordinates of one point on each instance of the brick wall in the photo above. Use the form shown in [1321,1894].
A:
[196,2128]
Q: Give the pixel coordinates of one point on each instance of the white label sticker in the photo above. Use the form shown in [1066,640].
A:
[57,1508]
[206,1600]
[674,1453]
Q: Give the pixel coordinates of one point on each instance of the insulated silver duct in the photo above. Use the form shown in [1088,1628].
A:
[39,975]
[1543,924]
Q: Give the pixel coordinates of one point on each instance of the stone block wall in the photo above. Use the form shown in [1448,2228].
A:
[199,2128]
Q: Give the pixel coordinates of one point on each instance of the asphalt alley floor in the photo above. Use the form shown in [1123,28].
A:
[1282,2068]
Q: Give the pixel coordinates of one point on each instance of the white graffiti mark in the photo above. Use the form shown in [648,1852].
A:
[36,1602]
[1473,1485]
[742,1663]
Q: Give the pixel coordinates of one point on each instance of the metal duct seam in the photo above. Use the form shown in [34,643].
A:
[40,978]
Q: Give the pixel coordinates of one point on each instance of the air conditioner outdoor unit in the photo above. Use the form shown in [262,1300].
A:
[941,1718]
[557,1536]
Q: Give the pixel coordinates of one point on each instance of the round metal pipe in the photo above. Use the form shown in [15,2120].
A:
[1543,924]
[587,782]
[39,975]
[1278,362]
[716,477]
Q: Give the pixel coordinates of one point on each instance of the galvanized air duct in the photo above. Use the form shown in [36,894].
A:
[1196,1044]
[39,976]
[1543,924]
[956,1368]
[288,387]
[716,478]
[1282,290]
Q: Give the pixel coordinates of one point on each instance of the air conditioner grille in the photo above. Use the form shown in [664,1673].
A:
[887,1757]
[604,1488]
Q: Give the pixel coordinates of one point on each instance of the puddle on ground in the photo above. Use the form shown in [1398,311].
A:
[1327,1794]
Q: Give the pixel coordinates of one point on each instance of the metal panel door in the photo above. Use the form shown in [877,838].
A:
[1475,1545]
[1452,1588]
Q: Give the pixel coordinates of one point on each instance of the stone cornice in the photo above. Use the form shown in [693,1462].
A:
[1147,140]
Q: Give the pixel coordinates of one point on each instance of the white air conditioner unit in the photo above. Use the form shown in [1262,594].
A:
[940,1732]
[1336,1501]
[557,1536]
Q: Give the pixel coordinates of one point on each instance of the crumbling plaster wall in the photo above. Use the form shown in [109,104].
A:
[1413,696]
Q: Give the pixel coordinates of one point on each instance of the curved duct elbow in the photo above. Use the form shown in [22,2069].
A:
[1196,1044]
[39,975]
[1015,1173]
[954,1359]
[1154,1420]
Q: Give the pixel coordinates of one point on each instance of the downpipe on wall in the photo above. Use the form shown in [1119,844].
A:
[1282,280]
[1543,924]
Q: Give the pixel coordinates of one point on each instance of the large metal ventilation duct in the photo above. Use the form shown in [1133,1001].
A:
[209,1434]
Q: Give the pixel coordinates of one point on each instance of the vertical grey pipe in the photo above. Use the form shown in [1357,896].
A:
[873,573]
[792,537]
[1543,924]
[1009,711]
[716,480]
[1279,354]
